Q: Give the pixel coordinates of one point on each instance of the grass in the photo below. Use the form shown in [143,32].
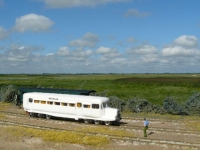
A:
[152,87]
[59,136]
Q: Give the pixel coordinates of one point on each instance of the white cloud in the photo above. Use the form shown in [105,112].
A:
[108,52]
[103,50]
[78,54]
[135,13]
[150,58]
[182,56]
[140,59]
[183,46]
[186,40]
[142,49]
[88,40]
[50,54]
[77,3]
[22,47]
[3,33]
[81,43]
[63,51]
[110,64]
[116,62]
[18,53]
[179,51]
[17,58]
[32,22]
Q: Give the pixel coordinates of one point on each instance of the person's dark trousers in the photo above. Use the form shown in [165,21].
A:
[145,131]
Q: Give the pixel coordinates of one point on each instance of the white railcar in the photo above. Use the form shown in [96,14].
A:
[88,108]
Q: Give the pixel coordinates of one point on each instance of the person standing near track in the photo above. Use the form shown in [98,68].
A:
[146,124]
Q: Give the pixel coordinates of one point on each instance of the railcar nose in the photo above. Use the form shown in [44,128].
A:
[118,117]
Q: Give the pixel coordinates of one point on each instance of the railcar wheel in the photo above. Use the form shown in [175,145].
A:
[48,117]
[31,114]
[96,122]
[107,123]
[87,121]
[40,115]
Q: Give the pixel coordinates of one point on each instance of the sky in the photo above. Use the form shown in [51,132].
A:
[99,36]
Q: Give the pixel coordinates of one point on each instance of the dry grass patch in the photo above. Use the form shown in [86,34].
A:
[193,125]
[2,116]
[59,136]
[4,106]
[106,130]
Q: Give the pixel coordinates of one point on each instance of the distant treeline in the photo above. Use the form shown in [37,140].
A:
[3,74]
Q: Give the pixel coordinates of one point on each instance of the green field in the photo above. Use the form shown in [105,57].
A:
[152,87]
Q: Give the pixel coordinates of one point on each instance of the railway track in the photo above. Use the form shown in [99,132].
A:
[116,138]
[130,127]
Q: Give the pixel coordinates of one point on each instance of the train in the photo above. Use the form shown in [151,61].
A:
[79,107]
[22,90]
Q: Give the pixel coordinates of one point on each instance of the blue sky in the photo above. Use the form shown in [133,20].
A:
[99,36]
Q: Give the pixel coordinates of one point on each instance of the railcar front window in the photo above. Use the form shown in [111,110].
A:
[30,100]
[104,105]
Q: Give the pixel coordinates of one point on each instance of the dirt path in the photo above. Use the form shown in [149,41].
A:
[162,134]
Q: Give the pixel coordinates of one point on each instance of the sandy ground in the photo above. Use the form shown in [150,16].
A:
[9,142]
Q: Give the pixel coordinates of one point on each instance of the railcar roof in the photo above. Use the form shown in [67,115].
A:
[51,90]
[66,96]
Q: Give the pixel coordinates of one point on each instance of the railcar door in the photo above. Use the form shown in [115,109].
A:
[71,108]
[79,108]
[96,110]
[29,101]
[103,106]
[87,110]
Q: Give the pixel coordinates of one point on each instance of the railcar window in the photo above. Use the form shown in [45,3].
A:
[30,100]
[64,104]
[43,102]
[86,106]
[56,103]
[36,101]
[79,104]
[50,103]
[104,105]
[71,104]
[95,106]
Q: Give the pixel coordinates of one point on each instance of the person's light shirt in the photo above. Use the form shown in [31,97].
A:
[146,123]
